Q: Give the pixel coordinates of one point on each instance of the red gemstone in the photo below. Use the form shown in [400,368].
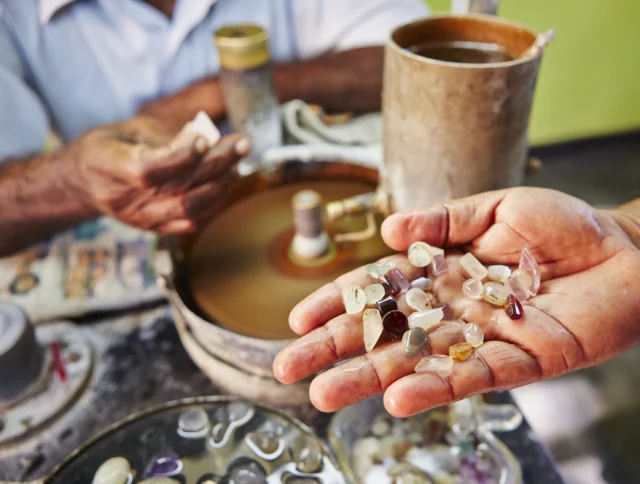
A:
[514,308]
[386,305]
[395,324]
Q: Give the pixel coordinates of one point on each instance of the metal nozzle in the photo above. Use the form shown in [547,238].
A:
[367,204]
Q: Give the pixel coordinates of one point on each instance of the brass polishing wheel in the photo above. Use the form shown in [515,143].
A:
[241,272]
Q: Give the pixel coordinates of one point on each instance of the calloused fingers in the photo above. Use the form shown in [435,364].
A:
[493,366]
[372,373]
[326,303]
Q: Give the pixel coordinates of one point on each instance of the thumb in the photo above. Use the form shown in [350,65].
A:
[448,224]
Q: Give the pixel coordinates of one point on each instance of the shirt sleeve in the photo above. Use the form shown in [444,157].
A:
[24,123]
[333,25]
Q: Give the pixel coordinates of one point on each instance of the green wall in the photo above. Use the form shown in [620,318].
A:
[589,82]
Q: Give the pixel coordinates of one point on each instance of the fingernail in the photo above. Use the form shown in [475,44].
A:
[200,144]
[242,146]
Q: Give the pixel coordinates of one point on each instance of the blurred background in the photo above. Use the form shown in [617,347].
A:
[585,122]
[588,84]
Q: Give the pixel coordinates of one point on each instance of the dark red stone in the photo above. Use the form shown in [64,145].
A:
[514,308]
[391,286]
[395,324]
[386,305]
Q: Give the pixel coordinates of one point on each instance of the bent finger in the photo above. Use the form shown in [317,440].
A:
[326,303]
[372,373]
[494,365]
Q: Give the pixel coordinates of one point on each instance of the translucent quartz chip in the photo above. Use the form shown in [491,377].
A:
[514,308]
[193,420]
[529,265]
[426,319]
[267,442]
[354,299]
[495,293]
[374,293]
[391,287]
[440,364]
[372,328]
[398,277]
[460,351]
[395,324]
[473,288]
[413,341]
[423,283]
[418,299]
[518,285]
[438,264]
[473,334]
[308,455]
[375,270]
[389,265]
[473,267]
[419,254]
[387,305]
[498,273]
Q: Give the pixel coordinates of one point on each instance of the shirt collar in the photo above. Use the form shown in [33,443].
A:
[186,17]
[48,8]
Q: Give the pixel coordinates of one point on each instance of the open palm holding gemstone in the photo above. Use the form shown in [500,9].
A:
[585,310]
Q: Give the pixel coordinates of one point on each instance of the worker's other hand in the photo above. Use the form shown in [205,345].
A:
[587,309]
[137,172]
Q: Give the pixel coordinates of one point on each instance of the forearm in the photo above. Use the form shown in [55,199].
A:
[37,198]
[628,217]
[342,81]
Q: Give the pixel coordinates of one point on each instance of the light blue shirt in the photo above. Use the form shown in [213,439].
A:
[73,65]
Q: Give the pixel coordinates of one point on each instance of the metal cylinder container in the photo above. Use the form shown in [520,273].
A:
[456,125]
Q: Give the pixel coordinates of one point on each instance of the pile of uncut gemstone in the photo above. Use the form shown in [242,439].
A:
[383,320]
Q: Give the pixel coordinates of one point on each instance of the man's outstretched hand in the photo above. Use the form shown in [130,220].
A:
[587,309]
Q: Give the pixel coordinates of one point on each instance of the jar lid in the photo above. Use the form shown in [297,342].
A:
[242,46]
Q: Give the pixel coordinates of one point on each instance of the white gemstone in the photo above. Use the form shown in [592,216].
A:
[372,328]
[354,299]
[418,299]
[495,293]
[499,273]
[375,270]
[374,293]
[389,265]
[419,254]
[473,334]
[116,470]
[203,126]
[473,288]
[529,265]
[519,284]
[473,266]
[440,364]
[423,283]
[426,319]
